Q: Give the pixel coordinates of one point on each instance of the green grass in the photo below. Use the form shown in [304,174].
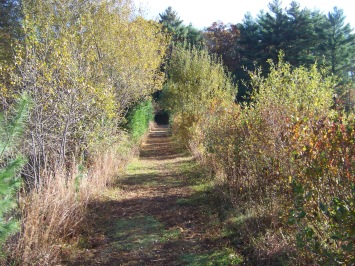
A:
[169,235]
[141,232]
[221,257]
[137,232]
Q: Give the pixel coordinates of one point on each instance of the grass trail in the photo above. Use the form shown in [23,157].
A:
[156,215]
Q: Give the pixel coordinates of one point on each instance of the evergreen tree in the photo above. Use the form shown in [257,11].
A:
[338,44]
[249,51]
[10,16]
[273,37]
[194,36]
[249,41]
[301,35]
[10,132]
[180,33]
[173,24]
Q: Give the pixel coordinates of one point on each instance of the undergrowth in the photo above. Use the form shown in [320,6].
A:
[285,161]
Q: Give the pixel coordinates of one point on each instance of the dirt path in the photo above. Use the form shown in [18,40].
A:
[156,215]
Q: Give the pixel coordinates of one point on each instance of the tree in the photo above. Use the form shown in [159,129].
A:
[172,23]
[197,83]
[273,36]
[10,16]
[221,39]
[10,131]
[301,34]
[84,63]
[249,51]
[196,79]
[194,36]
[338,43]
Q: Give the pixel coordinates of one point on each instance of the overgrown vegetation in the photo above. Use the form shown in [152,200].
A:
[281,147]
[139,119]
[84,64]
[10,165]
[286,158]
[197,82]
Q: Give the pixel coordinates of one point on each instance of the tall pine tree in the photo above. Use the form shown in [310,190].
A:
[301,35]
[180,33]
[338,44]
[273,37]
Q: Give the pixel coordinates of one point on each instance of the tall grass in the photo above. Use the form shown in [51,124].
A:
[52,214]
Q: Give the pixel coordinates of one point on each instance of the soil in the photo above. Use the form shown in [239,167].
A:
[155,215]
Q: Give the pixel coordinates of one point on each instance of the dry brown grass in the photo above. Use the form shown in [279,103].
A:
[52,214]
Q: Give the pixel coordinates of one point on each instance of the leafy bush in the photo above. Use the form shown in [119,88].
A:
[196,82]
[84,63]
[287,153]
[139,118]
[323,192]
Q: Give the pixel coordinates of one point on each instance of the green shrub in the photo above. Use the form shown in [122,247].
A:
[139,118]
[289,153]
[10,165]
[197,82]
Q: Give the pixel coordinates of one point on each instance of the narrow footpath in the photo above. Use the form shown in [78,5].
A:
[157,214]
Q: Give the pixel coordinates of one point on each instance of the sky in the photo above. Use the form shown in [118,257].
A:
[202,13]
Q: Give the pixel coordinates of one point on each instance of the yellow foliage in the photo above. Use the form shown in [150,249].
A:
[84,63]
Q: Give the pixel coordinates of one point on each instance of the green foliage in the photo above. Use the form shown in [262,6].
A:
[10,132]
[305,36]
[220,258]
[84,63]
[196,83]
[180,33]
[303,92]
[139,118]
[338,44]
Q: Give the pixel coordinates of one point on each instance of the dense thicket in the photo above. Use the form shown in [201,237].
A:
[284,161]
[84,64]
[196,83]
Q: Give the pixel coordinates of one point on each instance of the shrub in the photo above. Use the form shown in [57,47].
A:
[286,153]
[196,81]
[10,165]
[139,119]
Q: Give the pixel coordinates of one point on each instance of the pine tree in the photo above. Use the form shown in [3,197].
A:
[338,43]
[9,26]
[249,51]
[10,131]
[301,35]
[173,24]
[273,37]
